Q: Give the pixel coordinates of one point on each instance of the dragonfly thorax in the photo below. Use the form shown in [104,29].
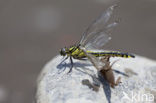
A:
[71,51]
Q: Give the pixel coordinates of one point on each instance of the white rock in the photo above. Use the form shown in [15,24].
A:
[56,86]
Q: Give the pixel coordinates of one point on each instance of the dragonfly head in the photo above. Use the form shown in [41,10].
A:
[63,52]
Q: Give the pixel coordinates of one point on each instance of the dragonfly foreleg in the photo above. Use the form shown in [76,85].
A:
[64,59]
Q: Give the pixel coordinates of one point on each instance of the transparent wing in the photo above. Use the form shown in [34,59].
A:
[99,39]
[97,34]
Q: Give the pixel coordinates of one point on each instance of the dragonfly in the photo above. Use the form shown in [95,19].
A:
[94,38]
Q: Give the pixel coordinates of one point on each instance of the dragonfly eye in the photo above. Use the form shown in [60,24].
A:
[63,52]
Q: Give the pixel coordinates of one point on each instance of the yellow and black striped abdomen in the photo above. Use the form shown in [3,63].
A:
[78,53]
[112,54]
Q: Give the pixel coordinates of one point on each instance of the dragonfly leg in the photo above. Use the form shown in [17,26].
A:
[71,60]
[64,59]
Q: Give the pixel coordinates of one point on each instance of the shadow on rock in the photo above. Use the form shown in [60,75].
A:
[63,65]
[101,80]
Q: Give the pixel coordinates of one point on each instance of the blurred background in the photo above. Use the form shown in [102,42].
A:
[33,31]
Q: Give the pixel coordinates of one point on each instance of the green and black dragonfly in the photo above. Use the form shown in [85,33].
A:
[94,38]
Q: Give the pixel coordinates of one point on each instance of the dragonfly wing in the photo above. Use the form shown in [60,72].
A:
[110,27]
[100,38]
[97,35]
[98,41]
[97,28]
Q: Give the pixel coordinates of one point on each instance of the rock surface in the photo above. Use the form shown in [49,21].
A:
[138,77]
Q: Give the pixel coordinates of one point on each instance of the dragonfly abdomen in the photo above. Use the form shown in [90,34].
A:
[112,54]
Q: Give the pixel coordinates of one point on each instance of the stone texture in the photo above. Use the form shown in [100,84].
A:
[138,77]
